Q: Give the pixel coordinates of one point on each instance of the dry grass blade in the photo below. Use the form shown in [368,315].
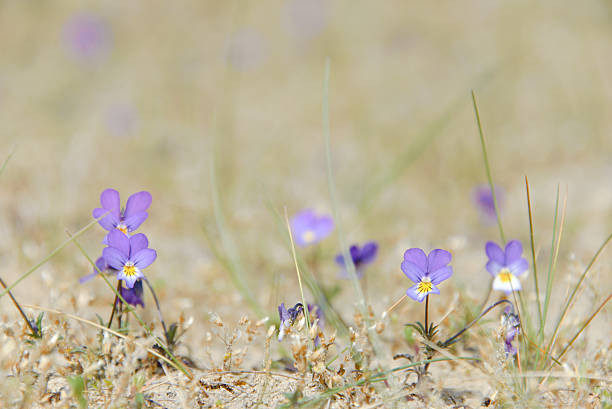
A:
[103,328]
[297,270]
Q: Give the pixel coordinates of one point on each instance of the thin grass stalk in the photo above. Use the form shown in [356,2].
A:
[549,274]
[310,279]
[570,299]
[6,160]
[348,261]
[144,326]
[103,328]
[159,311]
[452,339]
[422,140]
[586,324]
[236,270]
[533,256]
[485,157]
[299,276]
[50,255]
[377,377]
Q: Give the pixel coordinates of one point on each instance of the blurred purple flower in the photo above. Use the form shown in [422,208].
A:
[121,120]
[128,255]
[361,257]
[484,201]
[426,271]
[126,220]
[246,50]
[506,266]
[307,18]
[309,228]
[87,37]
[133,295]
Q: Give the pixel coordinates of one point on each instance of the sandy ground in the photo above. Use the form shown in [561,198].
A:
[161,95]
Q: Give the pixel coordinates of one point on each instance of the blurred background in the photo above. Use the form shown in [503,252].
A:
[148,95]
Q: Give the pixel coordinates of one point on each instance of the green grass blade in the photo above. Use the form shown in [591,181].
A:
[376,377]
[533,257]
[551,265]
[485,158]
[299,276]
[570,299]
[177,365]
[236,270]
[331,315]
[50,255]
[348,261]
[6,160]
[586,324]
[422,140]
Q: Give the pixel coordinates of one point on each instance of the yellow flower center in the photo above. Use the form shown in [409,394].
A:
[425,286]
[122,228]
[129,269]
[505,276]
[308,236]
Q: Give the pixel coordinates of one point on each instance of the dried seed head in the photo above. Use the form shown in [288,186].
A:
[380,327]
[215,319]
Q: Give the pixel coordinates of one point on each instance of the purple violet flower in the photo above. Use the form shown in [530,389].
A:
[133,295]
[512,326]
[126,220]
[102,266]
[426,271]
[309,228]
[87,37]
[484,201]
[506,266]
[361,257]
[288,317]
[129,255]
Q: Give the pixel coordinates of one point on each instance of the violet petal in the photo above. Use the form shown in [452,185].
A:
[138,242]
[134,221]
[109,199]
[441,274]
[514,250]
[137,203]
[120,241]
[115,258]
[437,259]
[495,253]
[144,258]
[417,257]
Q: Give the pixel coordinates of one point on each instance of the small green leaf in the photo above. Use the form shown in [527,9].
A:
[409,334]
[77,384]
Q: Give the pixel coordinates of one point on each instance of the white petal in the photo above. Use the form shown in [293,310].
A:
[507,287]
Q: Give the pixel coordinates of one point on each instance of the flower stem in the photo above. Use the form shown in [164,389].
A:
[161,317]
[482,314]
[110,320]
[35,332]
[427,315]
